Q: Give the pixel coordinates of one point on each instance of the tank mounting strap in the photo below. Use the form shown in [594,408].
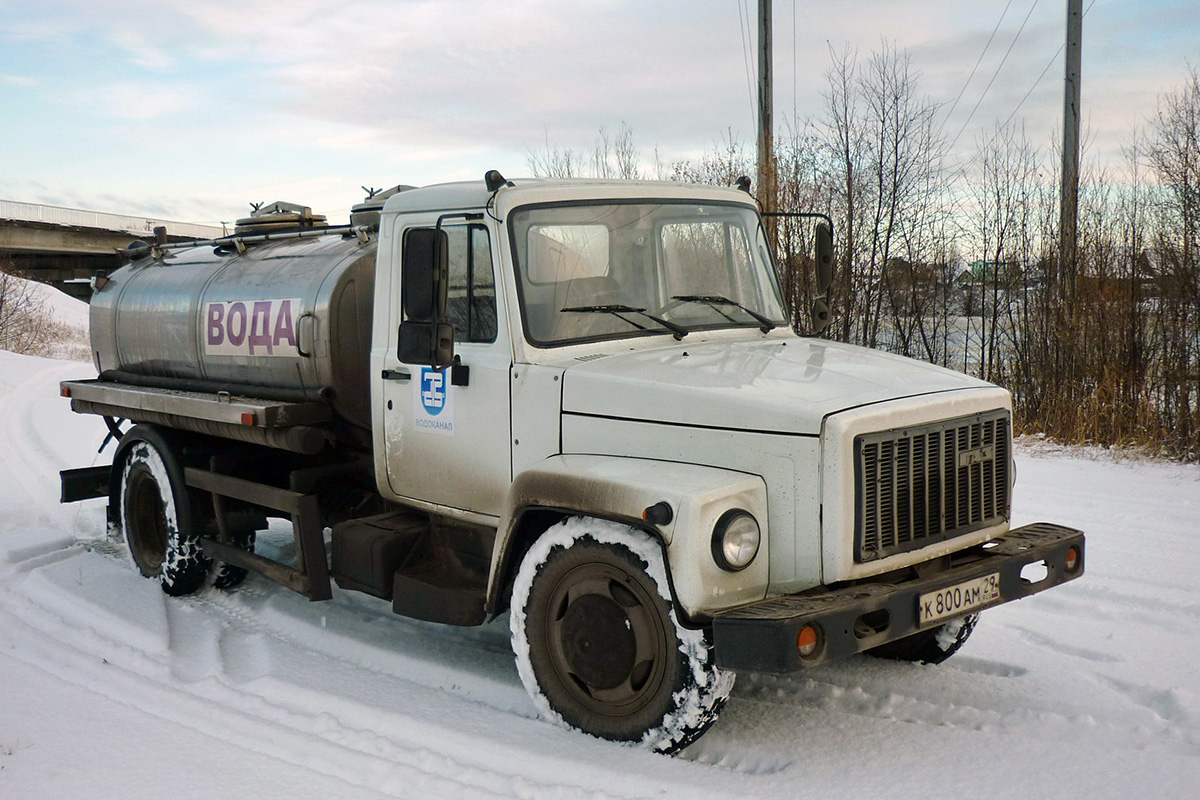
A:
[211,406]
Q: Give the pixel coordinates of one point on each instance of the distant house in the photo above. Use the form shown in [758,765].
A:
[1005,274]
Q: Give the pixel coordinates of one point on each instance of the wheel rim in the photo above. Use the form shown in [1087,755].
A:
[146,520]
[606,639]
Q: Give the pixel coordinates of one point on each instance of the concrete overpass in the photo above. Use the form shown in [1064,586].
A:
[60,245]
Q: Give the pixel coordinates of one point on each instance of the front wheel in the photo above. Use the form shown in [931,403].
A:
[599,647]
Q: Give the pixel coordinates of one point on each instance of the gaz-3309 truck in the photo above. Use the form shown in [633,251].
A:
[579,402]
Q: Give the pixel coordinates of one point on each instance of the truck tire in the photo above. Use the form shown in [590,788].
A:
[599,647]
[156,515]
[929,647]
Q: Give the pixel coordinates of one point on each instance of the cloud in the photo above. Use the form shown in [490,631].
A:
[18,80]
[139,101]
[430,73]
[142,53]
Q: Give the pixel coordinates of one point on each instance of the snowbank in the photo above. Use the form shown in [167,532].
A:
[66,310]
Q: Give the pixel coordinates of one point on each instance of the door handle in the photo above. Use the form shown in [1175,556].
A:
[396,375]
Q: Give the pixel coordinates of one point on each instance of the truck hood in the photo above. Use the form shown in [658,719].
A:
[776,385]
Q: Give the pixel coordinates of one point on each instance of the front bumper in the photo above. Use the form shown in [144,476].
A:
[761,637]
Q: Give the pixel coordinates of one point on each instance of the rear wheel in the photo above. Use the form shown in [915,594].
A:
[599,647]
[155,518]
[931,646]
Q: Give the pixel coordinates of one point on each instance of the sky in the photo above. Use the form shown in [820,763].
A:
[191,111]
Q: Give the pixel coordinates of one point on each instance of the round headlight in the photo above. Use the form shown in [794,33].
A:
[735,540]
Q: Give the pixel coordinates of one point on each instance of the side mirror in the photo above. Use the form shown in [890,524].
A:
[823,254]
[425,337]
[824,259]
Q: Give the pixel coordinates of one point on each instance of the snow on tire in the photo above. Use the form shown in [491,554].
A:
[155,520]
[227,576]
[931,646]
[599,647]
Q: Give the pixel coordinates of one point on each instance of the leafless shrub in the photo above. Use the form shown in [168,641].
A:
[612,157]
[27,325]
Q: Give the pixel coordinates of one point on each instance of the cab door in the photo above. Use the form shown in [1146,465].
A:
[447,431]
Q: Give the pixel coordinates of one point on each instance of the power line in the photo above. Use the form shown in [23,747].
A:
[793,62]
[995,74]
[967,164]
[978,61]
[1049,64]
[743,23]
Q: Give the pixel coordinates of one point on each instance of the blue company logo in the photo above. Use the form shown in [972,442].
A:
[433,391]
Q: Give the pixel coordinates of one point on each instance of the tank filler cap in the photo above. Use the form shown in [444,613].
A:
[366,213]
[137,249]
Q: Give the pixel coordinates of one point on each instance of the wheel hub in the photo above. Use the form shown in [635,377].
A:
[598,641]
[147,522]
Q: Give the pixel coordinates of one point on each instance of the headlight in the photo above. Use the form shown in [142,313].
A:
[735,540]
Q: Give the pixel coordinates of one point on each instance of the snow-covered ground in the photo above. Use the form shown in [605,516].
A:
[109,689]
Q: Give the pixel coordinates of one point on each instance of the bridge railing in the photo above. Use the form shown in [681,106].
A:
[78,218]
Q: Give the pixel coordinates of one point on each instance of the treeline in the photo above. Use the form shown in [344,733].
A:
[958,263]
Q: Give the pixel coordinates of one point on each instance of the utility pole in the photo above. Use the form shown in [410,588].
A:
[1069,203]
[766,125]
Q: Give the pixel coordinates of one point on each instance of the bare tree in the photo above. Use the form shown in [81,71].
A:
[555,162]
[25,324]
[611,157]
[844,157]
[999,222]
[616,156]
[1172,152]
[722,165]
[880,161]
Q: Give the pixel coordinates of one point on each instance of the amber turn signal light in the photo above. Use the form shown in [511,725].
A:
[808,640]
[1072,559]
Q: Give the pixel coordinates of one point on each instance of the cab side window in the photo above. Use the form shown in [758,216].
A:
[471,296]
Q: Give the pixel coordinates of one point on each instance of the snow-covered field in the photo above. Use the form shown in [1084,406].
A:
[109,689]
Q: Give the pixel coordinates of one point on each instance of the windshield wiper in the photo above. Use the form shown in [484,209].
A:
[617,310]
[764,324]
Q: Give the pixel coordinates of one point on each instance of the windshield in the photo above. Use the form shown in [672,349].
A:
[599,271]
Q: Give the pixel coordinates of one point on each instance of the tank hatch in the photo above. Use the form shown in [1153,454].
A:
[279,216]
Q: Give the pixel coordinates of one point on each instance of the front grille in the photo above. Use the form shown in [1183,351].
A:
[920,485]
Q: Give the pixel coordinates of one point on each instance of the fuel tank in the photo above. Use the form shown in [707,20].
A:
[284,320]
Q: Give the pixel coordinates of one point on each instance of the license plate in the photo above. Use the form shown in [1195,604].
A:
[957,599]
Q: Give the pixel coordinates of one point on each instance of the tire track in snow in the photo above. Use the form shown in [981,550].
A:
[243,720]
[265,690]
[861,688]
[33,463]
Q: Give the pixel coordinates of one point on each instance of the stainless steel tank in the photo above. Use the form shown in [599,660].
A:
[282,320]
